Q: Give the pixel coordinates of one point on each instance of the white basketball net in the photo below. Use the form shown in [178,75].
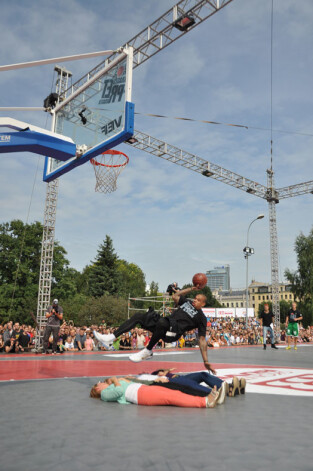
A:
[107,167]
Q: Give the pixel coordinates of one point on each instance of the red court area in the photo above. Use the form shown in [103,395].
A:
[32,367]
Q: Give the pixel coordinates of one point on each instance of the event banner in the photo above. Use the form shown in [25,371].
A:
[223,312]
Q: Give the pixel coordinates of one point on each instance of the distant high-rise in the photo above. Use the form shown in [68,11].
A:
[219,278]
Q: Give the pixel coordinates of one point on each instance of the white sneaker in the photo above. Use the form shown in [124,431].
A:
[105,339]
[222,393]
[142,355]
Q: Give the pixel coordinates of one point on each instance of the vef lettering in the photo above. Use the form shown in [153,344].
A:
[107,128]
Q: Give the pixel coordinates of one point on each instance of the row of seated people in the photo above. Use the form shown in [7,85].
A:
[16,338]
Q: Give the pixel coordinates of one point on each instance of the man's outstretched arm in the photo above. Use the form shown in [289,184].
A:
[183,292]
[204,352]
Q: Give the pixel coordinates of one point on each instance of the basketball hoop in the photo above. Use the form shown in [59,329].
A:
[107,167]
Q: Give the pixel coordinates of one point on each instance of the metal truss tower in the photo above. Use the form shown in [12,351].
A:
[272,198]
[47,244]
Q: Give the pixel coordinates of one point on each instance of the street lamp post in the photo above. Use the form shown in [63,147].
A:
[249,251]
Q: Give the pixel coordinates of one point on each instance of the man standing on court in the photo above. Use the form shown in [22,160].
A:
[292,326]
[54,317]
[266,319]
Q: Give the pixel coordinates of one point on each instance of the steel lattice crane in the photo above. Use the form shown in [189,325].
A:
[272,195]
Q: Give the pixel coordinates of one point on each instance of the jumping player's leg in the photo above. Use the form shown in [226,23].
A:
[137,318]
[161,327]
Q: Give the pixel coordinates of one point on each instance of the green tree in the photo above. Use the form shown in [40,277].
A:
[20,252]
[153,289]
[68,284]
[302,279]
[110,308]
[83,281]
[131,279]
[73,306]
[103,276]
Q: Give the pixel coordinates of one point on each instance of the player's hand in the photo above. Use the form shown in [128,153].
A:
[209,367]
[195,288]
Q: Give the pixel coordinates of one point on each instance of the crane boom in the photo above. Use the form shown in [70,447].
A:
[197,164]
[160,34]
[295,190]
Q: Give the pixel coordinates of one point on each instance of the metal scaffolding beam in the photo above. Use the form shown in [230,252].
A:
[160,34]
[295,190]
[197,164]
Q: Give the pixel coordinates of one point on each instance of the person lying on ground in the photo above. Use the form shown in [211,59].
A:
[195,380]
[124,391]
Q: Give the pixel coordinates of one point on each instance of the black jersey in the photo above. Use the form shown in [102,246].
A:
[293,315]
[267,318]
[187,317]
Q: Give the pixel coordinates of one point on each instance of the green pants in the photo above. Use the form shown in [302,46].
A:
[293,329]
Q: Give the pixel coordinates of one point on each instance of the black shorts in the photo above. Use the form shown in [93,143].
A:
[150,320]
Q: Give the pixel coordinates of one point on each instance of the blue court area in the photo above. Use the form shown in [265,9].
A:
[48,421]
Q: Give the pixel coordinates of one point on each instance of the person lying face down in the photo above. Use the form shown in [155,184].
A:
[125,391]
[194,383]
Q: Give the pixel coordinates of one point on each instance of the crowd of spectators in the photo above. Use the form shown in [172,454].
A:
[16,338]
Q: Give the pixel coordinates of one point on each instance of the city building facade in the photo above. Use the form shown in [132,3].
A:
[258,294]
[262,292]
[219,278]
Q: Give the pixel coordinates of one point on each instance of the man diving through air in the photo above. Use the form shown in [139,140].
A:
[187,316]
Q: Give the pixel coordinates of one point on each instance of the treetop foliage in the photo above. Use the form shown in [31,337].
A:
[302,279]
[107,278]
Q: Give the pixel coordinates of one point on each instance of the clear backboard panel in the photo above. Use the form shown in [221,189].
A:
[98,115]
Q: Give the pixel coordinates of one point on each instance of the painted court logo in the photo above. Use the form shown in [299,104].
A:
[273,380]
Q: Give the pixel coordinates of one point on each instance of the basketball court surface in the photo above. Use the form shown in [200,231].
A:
[50,423]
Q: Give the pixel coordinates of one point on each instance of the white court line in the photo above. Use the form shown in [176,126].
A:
[155,354]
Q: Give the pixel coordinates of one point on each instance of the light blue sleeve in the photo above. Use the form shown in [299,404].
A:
[111,393]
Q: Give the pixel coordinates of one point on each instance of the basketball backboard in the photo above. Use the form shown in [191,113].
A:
[98,115]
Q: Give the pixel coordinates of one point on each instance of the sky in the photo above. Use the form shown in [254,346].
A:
[168,220]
